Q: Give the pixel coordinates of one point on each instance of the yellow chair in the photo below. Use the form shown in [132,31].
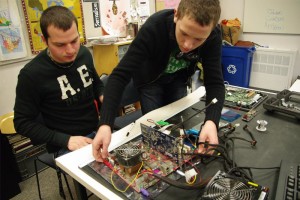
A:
[7,123]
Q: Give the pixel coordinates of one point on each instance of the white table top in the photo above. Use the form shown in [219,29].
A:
[296,86]
[71,162]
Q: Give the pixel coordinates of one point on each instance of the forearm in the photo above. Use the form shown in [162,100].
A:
[213,112]
[213,81]
[39,133]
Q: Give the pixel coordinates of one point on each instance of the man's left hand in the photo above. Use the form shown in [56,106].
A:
[76,142]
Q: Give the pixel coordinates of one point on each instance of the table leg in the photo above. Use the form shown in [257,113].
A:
[80,191]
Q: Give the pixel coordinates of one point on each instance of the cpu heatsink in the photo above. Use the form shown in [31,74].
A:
[128,155]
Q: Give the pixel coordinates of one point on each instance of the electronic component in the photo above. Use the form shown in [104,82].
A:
[288,186]
[243,99]
[226,130]
[132,166]
[189,174]
[171,144]
[192,131]
[253,142]
[229,115]
[144,166]
[134,163]
[224,186]
[128,157]
[249,115]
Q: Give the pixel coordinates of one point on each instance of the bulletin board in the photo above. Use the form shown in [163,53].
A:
[33,11]
[272,16]
[22,39]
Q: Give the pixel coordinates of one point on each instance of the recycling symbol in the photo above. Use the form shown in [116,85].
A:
[231,69]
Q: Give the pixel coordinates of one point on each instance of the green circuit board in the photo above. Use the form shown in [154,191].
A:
[243,99]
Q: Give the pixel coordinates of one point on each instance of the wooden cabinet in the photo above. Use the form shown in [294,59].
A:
[107,56]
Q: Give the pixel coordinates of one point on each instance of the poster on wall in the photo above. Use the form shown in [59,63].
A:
[12,44]
[114,16]
[166,4]
[143,8]
[91,15]
[33,10]
[170,4]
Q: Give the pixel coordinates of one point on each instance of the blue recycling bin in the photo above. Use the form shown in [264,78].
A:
[236,63]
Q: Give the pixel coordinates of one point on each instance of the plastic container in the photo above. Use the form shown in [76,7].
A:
[237,62]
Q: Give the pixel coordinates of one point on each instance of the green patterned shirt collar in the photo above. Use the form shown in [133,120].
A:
[174,64]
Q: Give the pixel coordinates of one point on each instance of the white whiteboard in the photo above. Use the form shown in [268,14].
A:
[272,16]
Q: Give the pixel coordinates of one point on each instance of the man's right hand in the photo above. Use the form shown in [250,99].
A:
[101,142]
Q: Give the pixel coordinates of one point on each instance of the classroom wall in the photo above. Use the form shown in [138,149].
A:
[230,9]
[8,81]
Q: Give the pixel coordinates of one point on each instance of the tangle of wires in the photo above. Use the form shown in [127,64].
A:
[214,152]
[192,184]
[222,152]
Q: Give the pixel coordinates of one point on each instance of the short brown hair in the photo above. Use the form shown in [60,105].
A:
[58,16]
[202,11]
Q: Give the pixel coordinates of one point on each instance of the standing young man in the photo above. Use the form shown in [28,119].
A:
[60,84]
[161,59]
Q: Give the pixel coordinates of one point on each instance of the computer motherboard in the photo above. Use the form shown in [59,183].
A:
[131,166]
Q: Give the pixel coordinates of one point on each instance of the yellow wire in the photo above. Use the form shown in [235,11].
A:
[112,182]
[192,182]
[194,145]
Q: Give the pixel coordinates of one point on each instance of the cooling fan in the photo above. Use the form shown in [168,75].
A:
[128,155]
[225,187]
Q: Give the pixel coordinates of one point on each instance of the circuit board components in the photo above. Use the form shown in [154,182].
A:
[243,99]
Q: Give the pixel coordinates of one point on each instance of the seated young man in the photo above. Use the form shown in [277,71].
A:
[60,84]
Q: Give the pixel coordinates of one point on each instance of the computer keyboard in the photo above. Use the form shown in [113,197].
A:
[288,186]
